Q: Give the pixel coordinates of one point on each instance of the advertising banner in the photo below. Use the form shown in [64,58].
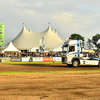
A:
[37,59]
[1,33]
[15,59]
[26,59]
[56,58]
[47,58]
[33,59]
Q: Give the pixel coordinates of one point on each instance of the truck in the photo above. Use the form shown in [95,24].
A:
[72,54]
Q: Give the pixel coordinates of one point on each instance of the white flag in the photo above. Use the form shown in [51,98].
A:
[98,42]
[42,42]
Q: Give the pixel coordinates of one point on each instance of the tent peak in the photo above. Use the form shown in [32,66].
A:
[23,26]
[49,28]
[10,48]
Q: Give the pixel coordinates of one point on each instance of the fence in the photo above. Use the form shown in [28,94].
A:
[29,59]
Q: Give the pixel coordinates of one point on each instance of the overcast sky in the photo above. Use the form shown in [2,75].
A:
[66,16]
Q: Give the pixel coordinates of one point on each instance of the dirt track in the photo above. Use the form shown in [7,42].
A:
[52,67]
[63,86]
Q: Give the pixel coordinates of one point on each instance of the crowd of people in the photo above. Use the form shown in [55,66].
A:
[91,54]
[31,54]
[46,54]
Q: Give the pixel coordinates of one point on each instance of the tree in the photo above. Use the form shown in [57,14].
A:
[89,44]
[76,36]
[95,39]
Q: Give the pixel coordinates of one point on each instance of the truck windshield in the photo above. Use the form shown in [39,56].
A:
[64,49]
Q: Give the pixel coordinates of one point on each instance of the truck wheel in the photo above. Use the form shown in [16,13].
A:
[75,63]
[99,64]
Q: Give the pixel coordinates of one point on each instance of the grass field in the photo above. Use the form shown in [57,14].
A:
[79,71]
[30,63]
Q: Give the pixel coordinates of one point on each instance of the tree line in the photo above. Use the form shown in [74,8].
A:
[90,43]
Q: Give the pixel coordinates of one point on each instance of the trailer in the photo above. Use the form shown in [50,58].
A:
[72,54]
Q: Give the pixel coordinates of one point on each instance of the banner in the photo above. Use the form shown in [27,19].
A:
[56,58]
[37,58]
[15,59]
[42,44]
[47,58]
[1,33]
[34,59]
[26,59]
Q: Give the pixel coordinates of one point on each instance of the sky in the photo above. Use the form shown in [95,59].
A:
[66,16]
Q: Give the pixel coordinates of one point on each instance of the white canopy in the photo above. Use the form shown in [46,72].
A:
[10,48]
[58,48]
[34,49]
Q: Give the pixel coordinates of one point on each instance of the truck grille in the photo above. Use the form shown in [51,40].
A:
[64,60]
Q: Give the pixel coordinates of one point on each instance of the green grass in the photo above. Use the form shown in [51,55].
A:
[78,71]
[30,63]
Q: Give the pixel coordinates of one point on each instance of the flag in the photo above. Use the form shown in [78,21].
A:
[98,42]
[1,33]
[42,44]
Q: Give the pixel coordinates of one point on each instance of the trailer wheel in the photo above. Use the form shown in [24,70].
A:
[75,63]
[99,64]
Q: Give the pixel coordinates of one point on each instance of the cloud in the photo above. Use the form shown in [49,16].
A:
[67,16]
[64,17]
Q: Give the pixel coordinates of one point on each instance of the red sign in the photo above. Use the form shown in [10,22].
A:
[47,59]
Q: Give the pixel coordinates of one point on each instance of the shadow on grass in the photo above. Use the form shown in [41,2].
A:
[43,65]
[50,65]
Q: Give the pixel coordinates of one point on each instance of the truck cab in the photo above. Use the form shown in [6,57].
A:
[72,54]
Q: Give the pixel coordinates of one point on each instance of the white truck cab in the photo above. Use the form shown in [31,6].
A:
[72,54]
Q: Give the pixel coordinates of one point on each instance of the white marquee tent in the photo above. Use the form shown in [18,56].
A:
[11,48]
[58,48]
[34,49]
[28,39]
